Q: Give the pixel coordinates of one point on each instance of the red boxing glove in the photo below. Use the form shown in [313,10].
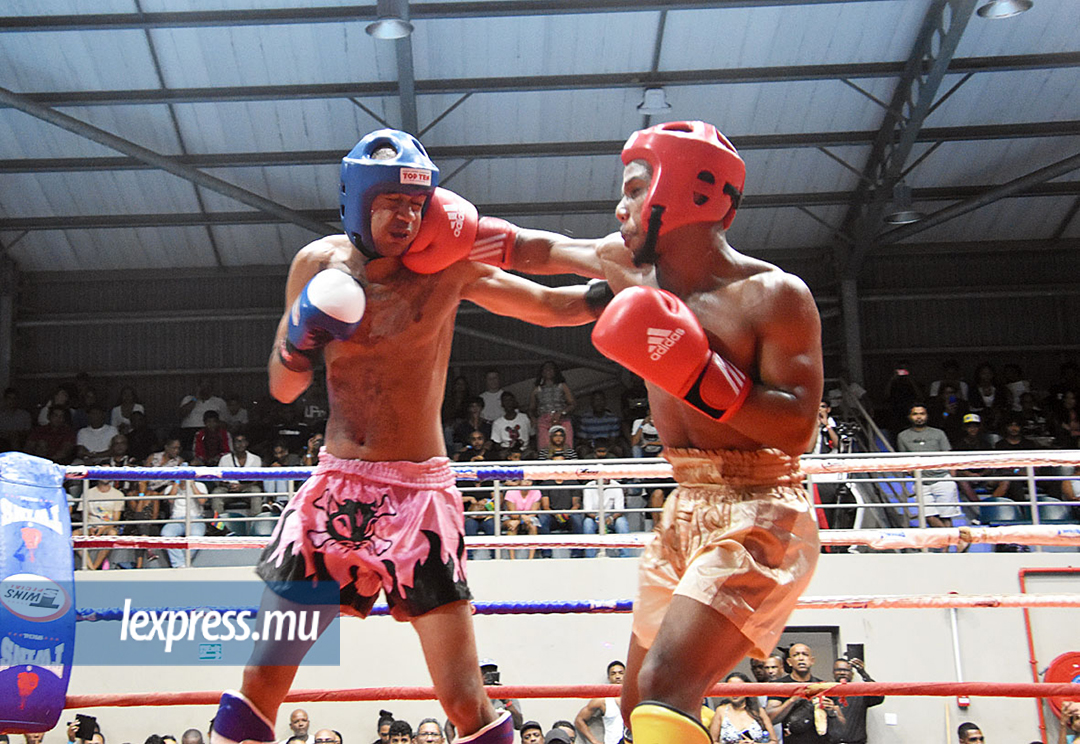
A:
[446,234]
[495,241]
[654,334]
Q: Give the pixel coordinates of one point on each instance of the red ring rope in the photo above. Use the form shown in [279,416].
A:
[850,689]
[1064,534]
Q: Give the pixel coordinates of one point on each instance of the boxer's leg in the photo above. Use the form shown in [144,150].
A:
[250,714]
[449,645]
[694,647]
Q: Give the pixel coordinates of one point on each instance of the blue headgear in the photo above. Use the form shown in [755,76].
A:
[363,178]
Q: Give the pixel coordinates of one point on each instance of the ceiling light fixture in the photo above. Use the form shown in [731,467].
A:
[654,102]
[392,23]
[902,213]
[995,9]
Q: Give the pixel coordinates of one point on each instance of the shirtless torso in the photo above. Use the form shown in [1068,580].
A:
[386,382]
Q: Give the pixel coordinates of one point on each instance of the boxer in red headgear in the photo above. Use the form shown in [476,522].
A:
[730,347]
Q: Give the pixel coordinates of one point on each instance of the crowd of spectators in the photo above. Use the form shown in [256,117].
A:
[972,410]
[1047,414]
[77,425]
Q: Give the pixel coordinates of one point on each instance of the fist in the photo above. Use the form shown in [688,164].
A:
[446,233]
[329,308]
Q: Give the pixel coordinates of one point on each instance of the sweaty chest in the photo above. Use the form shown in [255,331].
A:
[730,326]
[404,307]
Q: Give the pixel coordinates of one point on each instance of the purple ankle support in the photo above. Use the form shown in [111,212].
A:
[238,720]
[499,731]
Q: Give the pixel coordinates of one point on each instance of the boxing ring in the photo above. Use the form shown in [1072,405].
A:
[1059,535]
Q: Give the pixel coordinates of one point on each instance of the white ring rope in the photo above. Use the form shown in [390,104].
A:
[652,468]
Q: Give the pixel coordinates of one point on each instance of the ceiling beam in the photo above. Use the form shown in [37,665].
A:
[364,13]
[1015,186]
[523,209]
[517,84]
[547,149]
[912,101]
[94,134]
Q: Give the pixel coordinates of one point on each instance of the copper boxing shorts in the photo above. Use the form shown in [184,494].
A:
[738,535]
[395,527]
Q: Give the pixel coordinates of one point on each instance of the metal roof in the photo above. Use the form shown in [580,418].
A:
[525,106]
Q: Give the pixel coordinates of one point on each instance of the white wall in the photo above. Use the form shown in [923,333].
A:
[901,645]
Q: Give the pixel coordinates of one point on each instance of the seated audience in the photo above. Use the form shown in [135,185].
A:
[93,440]
[518,497]
[1035,425]
[456,401]
[280,489]
[946,411]
[551,403]
[120,417]
[973,440]
[142,441]
[104,506]
[1066,422]
[55,440]
[235,416]
[229,495]
[1017,487]
[472,421]
[211,441]
[599,423]
[513,427]
[644,438]
[60,399]
[739,719]
[15,421]
[950,375]
[558,445]
[186,505]
[987,398]
[562,510]
[614,500]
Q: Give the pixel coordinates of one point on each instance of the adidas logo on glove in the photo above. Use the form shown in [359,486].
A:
[456,217]
[662,339]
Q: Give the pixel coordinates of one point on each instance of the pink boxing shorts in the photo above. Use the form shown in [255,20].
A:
[395,527]
[738,535]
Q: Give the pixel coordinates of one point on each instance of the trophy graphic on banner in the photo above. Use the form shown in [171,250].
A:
[32,537]
[27,683]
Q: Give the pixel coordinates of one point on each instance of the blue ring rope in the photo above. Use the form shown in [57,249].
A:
[611,606]
[257,474]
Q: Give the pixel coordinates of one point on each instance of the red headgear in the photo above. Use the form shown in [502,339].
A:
[696,174]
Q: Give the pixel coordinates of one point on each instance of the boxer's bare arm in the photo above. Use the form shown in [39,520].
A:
[285,384]
[507,294]
[542,252]
[781,409]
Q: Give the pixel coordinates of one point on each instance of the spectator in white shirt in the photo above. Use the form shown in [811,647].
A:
[228,497]
[513,427]
[121,414]
[614,502]
[189,500]
[93,440]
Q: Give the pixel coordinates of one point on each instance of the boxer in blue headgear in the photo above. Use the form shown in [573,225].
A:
[364,176]
[381,514]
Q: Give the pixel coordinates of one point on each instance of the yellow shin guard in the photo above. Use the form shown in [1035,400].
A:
[657,723]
